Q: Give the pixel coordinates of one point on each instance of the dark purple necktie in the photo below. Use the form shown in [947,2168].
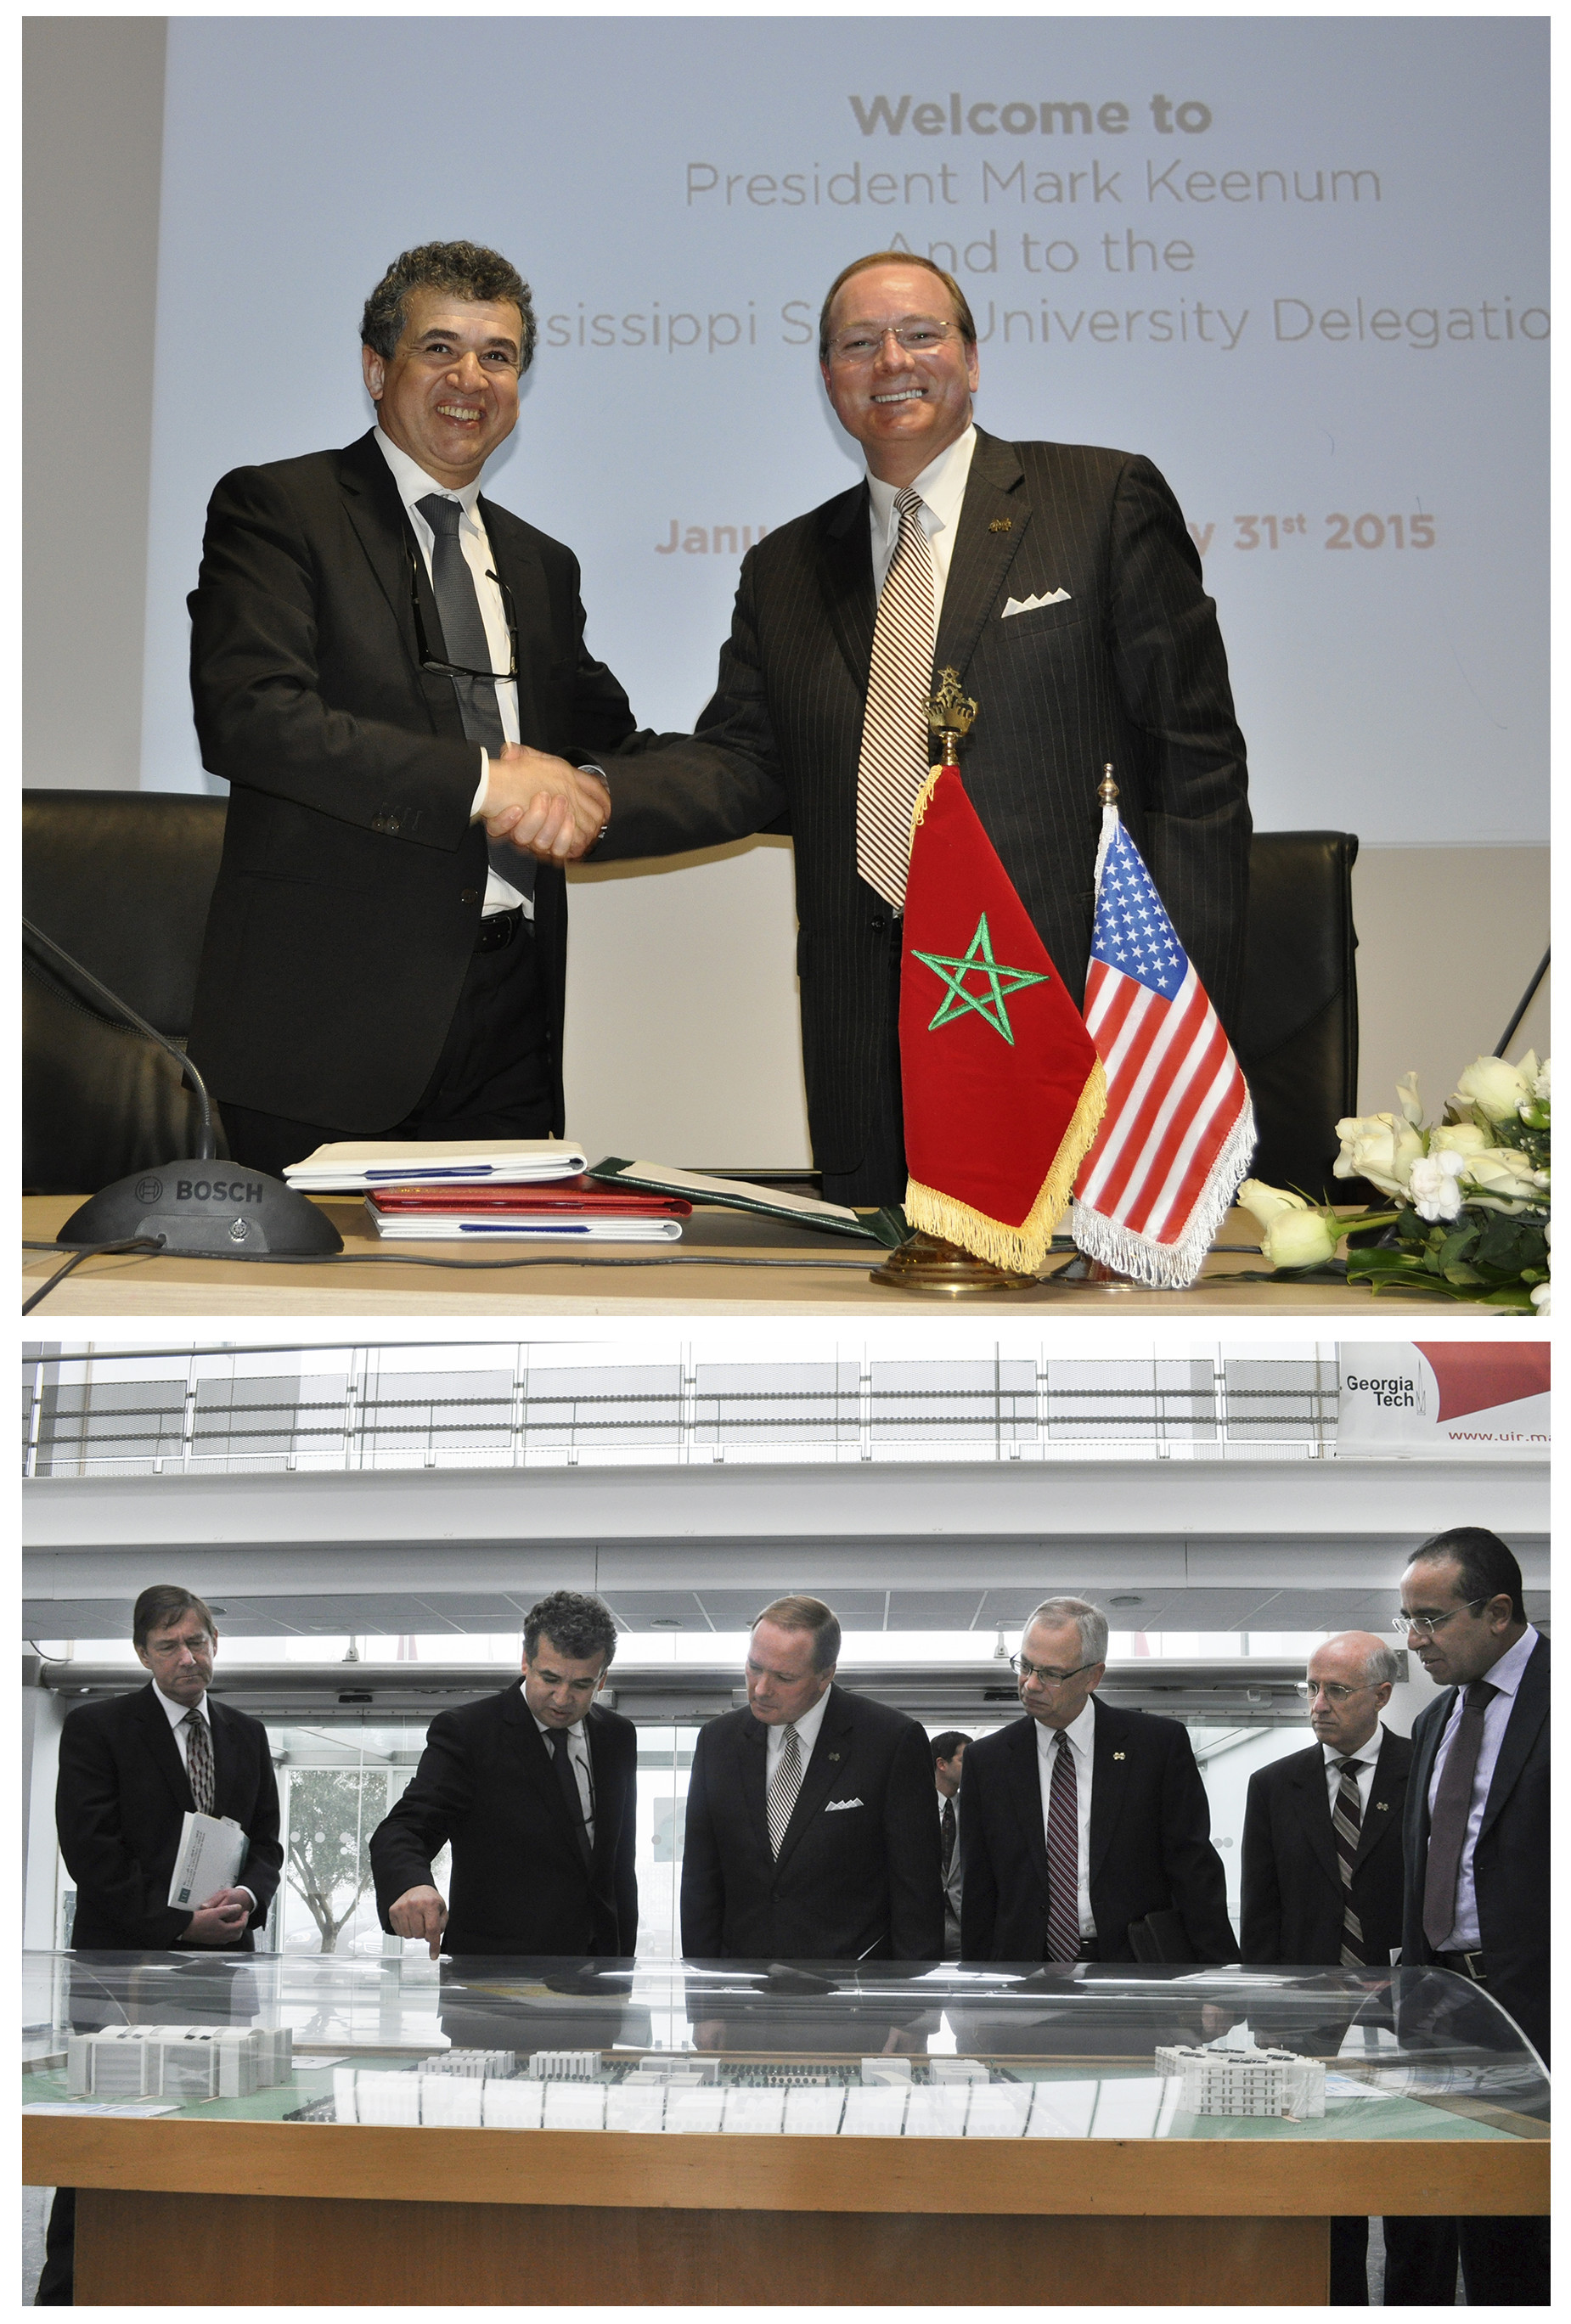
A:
[1448,1817]
[1062,1855]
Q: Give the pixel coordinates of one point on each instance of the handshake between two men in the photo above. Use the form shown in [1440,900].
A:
[542,804]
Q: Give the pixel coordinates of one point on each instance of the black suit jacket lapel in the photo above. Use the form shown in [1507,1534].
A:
[375,512]
[753,1767]
[1025,1784]
[1527,1714]
[1422,1768]
[828,1764]
[980,562]
[1387,1796]
[517,563]
[1109,1783]
[163,1751]
[846,576]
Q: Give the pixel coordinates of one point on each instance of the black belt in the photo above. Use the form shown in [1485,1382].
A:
[497,929]
[1465,1965]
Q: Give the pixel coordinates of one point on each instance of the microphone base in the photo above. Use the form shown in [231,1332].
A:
[206,1210]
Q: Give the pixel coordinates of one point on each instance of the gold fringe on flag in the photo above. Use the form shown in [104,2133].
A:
[1023,1249]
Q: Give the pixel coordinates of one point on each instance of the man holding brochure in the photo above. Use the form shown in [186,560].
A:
[133,1767]
[131,1771]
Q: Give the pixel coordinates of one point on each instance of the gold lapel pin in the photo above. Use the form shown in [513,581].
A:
[1006,524]
[1381,1806]
[835,1756]
[1118,1755]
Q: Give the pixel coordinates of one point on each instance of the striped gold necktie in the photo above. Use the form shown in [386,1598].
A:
[199,1761]
[896,746]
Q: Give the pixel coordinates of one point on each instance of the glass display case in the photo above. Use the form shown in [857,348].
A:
[1090,2050]
[1071,2099]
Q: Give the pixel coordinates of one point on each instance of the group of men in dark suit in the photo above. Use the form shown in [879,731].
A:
[816,1826]
[390,672]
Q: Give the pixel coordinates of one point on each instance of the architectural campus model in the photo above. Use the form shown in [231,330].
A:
[872,2098]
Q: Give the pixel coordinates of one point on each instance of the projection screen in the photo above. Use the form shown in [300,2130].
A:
[1301,263]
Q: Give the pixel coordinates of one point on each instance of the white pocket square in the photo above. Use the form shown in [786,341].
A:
[832,1807]
[1030,604]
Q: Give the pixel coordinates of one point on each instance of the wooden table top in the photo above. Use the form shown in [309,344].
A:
[1216,2177]
[728,1263]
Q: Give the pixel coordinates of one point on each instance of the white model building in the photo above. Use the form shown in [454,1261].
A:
[477,2064]
[563,2066]
[1246,2082]
[178,2062]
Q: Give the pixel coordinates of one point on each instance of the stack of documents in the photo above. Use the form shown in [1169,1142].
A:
[573,1207]
[354,1165]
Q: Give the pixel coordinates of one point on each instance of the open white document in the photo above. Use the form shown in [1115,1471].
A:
[212,1848]
[351,1166]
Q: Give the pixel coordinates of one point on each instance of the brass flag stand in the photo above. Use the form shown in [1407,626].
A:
[927,1263]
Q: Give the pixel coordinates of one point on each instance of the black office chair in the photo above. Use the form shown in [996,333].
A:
[1298,1039]
[122,880]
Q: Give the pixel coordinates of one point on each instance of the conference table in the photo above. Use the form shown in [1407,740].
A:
[727,1263]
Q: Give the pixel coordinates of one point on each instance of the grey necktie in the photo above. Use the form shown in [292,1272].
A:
[784,1786]
[199,1761]
[1448,1817]
[464,635]
[896,744]
[463,626]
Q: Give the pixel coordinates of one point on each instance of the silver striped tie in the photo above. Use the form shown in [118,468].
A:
[1347,1821]
[896,744]
[784,1786]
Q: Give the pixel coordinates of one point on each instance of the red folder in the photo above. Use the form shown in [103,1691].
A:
[562,1197]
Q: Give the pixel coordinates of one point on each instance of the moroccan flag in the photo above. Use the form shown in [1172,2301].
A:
[1001,1083]
[1179,1132]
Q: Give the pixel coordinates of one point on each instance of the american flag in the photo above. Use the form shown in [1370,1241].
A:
[1179,1132]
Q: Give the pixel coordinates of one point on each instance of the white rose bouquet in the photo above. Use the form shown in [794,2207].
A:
[1470,1195]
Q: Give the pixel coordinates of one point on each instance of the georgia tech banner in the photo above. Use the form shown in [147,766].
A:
[1463,1395]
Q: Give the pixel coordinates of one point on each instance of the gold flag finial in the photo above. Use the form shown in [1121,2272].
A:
[950,715]
[1107,789]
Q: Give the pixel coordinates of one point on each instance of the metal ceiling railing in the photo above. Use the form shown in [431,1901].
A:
[1251,1691]
[212,1411]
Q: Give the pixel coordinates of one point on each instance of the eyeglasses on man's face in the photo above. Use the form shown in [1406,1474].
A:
[1026,1673]
[1426,1625]
[1335,1693]
[862,343]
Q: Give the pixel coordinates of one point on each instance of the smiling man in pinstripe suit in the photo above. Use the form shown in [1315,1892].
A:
[1061,582]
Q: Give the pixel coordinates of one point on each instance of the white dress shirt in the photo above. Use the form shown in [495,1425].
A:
[413,486]
[175,1713]
[1506,1675]
[579,1761]
[942,487]
[1081,1732]
[806,1727]
[1364,1760]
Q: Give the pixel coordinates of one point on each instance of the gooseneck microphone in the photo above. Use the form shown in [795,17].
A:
[200,1207]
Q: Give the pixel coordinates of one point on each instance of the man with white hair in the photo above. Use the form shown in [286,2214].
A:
[1081,1822]
[1323,1885]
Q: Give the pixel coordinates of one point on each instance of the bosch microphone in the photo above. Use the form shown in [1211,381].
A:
[201,1208]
